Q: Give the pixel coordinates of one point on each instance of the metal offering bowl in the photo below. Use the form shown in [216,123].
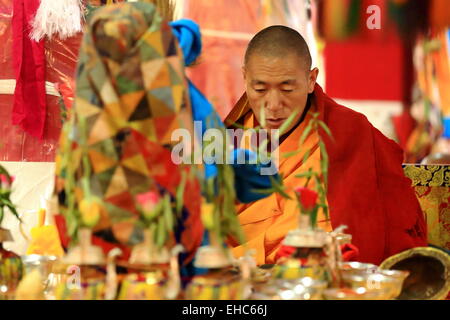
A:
[355,268]
[360,293]
[381,280]
[212,257]
[399,276]
[43,263]
[301,289]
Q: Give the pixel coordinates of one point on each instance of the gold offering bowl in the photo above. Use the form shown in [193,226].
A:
[150,285]
[300,289]
[45,264]
[355,268]
[51,268]
[353,294]
[389,280]
[219,284]
[78,282]
[429,269]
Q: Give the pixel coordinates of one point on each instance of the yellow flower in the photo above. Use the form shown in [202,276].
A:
[207,215]
[90,211]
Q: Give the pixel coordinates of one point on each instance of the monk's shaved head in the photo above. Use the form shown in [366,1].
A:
[278,76]
[278,41]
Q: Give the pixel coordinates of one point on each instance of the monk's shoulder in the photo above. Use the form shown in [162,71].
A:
[340,116]
[350,124]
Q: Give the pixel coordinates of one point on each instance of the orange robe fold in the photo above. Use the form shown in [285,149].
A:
[367,191]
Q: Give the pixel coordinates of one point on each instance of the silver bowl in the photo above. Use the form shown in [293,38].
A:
[356,268]
[360,293]
[391,282]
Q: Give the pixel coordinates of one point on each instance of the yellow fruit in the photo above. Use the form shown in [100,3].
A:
[90,211]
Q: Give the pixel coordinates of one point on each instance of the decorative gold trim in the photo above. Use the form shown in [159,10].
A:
[428,252]
[428,175]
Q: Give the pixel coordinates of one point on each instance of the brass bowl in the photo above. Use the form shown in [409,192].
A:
[144,286]
[400,276]
[301,289]
[212,257]
[360,293]
[355,268]
[310,289]
[43,263]
[429,269]
[392,283]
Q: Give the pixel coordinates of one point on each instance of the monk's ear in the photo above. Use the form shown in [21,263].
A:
[313,74]
[244,72]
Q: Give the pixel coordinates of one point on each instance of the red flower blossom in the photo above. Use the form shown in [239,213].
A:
[3,178]
[307,197]
[148,200]
[5,182]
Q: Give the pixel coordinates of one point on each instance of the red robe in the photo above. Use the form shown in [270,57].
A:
[368,191]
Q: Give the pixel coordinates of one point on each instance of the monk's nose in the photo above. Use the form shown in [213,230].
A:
[273,101]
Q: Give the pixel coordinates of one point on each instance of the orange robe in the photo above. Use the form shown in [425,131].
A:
[367,190]
[266,222]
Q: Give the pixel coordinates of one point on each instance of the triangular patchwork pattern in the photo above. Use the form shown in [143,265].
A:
[131,107]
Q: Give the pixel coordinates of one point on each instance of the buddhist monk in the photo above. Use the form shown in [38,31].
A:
[367,190]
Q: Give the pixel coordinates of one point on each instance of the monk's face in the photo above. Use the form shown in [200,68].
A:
[280,85]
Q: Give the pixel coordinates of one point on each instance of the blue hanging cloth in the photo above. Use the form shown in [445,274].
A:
[247,176]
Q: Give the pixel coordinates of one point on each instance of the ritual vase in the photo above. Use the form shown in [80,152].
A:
[153,273]
[221,281]
[84,275]
[309,258]
[11,268]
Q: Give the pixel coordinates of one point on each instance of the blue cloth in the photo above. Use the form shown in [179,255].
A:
[189,39]
[248,176]
[446,125]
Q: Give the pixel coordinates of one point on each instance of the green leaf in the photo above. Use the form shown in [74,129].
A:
[279,188]
[15,213]
[180,193]
[325,128]
[325,211]
[161,232]
[306,156]
[263,191]
[168,213]
[313,217]
[324,161]
[305,133]
[263,147]
[153,227]
[263,116]
[323,152]
[288,122]
[308,174]
[290,154]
